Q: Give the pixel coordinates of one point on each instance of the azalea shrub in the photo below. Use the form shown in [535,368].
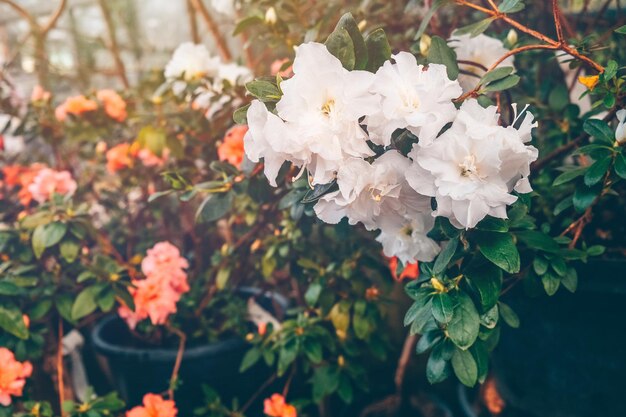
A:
[442,144]
[435,152]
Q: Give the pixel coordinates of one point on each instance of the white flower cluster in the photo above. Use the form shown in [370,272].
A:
[328,117]
[194,62]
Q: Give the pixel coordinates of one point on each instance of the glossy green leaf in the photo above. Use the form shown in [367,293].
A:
[465,323]
[340,45]
[441,53]
[499,249]
[465,368]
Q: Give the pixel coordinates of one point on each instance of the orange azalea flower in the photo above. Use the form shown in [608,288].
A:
[114,105]
[119,158]
[262,328]
[411,271]
[275,406]
[278,64]
[76,105]
[21,176]
[13,376]
[231,149]
[39,94]
[154,406]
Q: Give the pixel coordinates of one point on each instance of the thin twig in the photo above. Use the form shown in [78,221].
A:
[222,47]
[179,359]
[405,357]
[113,45]
[254,396]
[61,383]
[54,18]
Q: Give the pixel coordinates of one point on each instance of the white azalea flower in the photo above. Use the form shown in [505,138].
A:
[270,138]
[369,191]
[235,74]
[483,50]
[191,61]
[321,107]
[413,97]
[407,239]
[620,131]
[225,7]
[473,167]
[323,103]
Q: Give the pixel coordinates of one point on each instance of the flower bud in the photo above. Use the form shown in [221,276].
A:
[437,285]
[425,42]
[511,37]
[270,16]
[362,24]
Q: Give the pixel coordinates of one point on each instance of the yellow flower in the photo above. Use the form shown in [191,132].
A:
[589,81]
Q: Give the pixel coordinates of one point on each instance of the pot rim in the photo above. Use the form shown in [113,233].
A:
[162,354]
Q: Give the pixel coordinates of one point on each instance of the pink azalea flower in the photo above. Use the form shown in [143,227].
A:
[48,182]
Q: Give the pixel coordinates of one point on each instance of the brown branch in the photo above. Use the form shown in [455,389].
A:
[403,361]
[540,164]
[113,45]
[60,382]
[179,359]
[193,22]
[212,26]
[20,10]
[556,12]
[54,18]
[254,396]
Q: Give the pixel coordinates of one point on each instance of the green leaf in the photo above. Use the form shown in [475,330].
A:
[499,249]
[437,369]
[152,138]
[264,90]
[493,224]
[503,84]
[550,283]
[511,6]
[585,196]
[490,318]
[69,249]
[427,341]
[85,303]
[9,288]
[481,356]
[445,256]
[600,130]
[38,241]
[569,175]
[620,165]
[340,45]
[537,240]
[496,74]
[441,53]
[609,72]
[540,265]
[621,30]
[214,207]
[465,367]
[251,357]
[11,321]
[475,29]
[53,233]
[246,23]
[570,280]
[312,294]
[313,350]
[240,116]
[348,23]
[508,315]
[487,282]
[378,49]
[596,171]
[443,307]
[465,324]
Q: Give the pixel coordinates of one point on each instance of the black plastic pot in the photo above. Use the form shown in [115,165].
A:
[136,370]
[568,358]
